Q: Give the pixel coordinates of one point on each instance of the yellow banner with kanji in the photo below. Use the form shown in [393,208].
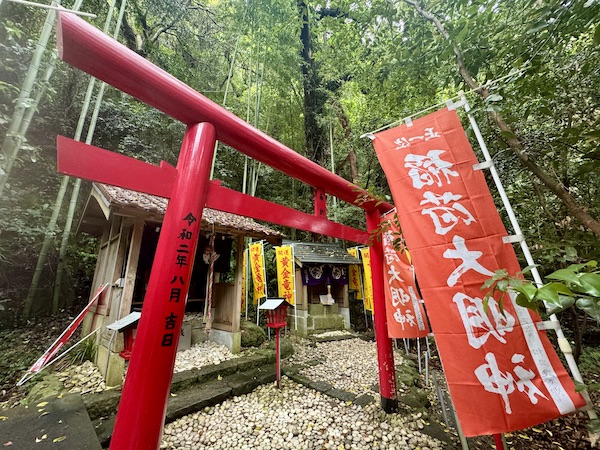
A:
[244,280]
[257,264]
[354,282]
[285,273]
[366,259]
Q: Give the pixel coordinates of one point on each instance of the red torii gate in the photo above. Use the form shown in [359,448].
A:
[142,409]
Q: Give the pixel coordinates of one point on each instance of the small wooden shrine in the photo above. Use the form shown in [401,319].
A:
[128,224]
[321,287]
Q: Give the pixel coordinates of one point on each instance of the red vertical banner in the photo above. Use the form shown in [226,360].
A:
[503,373]
[404,310]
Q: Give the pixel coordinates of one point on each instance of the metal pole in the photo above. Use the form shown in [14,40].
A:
[419,353]
[385,351]
[563,343]
[52,7]
[143,405]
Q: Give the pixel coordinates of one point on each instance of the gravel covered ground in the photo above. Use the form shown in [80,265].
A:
[294,417]
[297,417]
[203,354]
[349,365]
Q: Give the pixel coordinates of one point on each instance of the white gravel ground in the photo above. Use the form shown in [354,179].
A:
[294,417]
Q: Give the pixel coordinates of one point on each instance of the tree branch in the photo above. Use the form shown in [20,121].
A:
[514,143]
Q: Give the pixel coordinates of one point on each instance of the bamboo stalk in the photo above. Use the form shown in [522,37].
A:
[9,150]
[77,186]
[50,230]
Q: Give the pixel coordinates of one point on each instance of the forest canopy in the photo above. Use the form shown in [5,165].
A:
[315,76]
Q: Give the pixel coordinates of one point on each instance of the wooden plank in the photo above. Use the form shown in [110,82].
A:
[237,296]
[132,265]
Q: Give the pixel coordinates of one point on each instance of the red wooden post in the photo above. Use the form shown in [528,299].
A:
[498,441]
[385,355]
[142,410]
[277,358]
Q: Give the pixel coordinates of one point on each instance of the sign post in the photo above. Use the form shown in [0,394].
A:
[144,399]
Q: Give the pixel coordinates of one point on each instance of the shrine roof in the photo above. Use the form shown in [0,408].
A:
[321,253]
[152,208]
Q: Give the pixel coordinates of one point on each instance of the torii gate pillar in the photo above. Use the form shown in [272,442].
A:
[146,390]
[385,352]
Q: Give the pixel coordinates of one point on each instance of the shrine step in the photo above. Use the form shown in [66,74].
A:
[55,422]
[194,390]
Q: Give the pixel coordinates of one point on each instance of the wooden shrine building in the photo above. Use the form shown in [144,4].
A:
[128,225]
[321,287]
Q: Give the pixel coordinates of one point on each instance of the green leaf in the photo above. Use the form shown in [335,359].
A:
[564,275]
[494,98]
[507,134]
[538,27]
[548,293]
[562,289]
[523,301]
[527,290]
[594,426]
[597,35]
[579,386]
[528,268]
[502,285]
[590,282]
[590,306]
[564,302]
[487,283]
[570,251]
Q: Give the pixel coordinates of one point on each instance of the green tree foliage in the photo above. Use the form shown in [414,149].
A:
[374,62]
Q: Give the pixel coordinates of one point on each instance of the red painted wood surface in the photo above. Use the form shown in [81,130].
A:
[320,203]
[143,405]
[87,48]
[103,166]
[385,352]
[228,200]
[81,160]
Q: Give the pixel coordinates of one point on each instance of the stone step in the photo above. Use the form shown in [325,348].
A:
[56,422]
[202,394]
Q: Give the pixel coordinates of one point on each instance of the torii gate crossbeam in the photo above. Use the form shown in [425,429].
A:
[143,404]
[90,50]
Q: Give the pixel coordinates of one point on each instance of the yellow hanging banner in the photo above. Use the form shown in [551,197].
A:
[355,282]
[366,259]
[285,273]
[257,264]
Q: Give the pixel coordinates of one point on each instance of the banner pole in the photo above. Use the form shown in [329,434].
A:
[295,298]
[419,354]
[564,345]
[498,441]
[362,287]
[247,261]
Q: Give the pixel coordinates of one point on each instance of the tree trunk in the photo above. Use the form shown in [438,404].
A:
[313,101]
[551,182]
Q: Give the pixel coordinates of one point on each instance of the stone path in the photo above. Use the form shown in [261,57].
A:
[295,417]
[335,406]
